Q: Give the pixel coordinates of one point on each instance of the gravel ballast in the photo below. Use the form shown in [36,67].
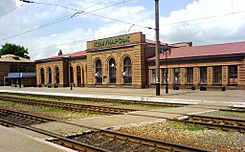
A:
[215,140]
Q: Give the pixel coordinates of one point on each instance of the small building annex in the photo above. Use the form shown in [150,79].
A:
[15,70]
[129,61]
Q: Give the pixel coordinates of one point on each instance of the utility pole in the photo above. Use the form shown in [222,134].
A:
[157,48]
[166,50]
[70,73]
[19,76]
[166,72]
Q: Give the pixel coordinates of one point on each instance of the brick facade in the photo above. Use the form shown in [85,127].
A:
[139,50]
[4,69]
[134,48]
[15,69]
[240,64]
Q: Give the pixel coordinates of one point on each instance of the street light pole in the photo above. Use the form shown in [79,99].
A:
[166,50]
[157,48]
[70,72]
[166,72]
[19,76]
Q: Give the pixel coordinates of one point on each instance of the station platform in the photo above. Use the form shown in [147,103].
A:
[228,97]
[15,141]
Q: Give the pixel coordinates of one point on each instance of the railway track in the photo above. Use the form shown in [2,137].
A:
[67,106]
[227,124]
[148,103]
[102,109]
[234,109]
[99,139]
[23,118]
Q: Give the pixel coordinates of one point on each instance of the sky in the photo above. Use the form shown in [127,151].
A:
[47,26]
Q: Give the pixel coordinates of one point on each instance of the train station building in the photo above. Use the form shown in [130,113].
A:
[129,61]
[16,71]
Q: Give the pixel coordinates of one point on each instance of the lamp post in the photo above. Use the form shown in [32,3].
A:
[166,57]
[19,75]
[70,72]
[166,50]
[157,48]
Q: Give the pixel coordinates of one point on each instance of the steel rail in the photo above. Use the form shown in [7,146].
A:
[22,114]
[62,140]
[113,134]
[234,109]
[113,101]
[217,122]
[147,103]
[97,99]
[226,124]
[235,125]
[68,106]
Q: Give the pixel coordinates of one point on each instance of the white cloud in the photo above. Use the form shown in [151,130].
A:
[86,27]
[49,46]
[6,6]
[219,29]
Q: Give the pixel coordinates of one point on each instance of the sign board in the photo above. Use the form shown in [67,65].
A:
[107,42]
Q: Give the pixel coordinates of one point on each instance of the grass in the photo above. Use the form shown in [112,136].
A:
[8,103]
[192,128]
[186,127]
[47,111]
[90,102]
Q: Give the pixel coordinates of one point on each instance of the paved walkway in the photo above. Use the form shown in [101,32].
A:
[182,96]
[14,141]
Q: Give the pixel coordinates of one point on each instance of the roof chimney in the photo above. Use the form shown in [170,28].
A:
[60,53]
[183,44]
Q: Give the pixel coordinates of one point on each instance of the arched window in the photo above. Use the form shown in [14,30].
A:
[127,70]
[176,75]
[112,71]
[78,76]
[57,75]
[49,75]
[42,75]
[71,75]
[98,72]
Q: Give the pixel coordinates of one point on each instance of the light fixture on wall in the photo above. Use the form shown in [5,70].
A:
[125,73]
[97,75]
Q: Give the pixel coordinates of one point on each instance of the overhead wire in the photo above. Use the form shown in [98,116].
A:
[66,17]
[117,20]
[76,41]
[82,40]
[204,18]
[36,28]
[161,25]
[95,4]
[11,10]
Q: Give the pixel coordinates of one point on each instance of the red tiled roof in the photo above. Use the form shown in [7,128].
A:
[206,50]
[74,54]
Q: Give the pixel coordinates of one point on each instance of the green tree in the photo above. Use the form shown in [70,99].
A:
[15,50]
